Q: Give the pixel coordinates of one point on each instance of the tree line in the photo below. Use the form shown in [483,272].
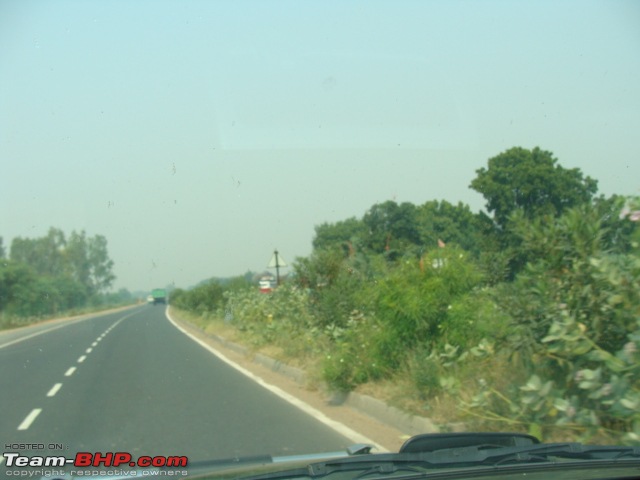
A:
[54,274]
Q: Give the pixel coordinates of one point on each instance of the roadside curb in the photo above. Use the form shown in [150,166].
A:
[405,422]
[374,408]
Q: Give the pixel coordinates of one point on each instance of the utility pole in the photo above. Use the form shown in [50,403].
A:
[277,262]
[275,254]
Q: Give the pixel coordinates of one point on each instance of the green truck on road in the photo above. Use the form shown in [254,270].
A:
[158,295]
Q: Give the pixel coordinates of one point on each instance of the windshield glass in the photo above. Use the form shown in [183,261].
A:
[242,228]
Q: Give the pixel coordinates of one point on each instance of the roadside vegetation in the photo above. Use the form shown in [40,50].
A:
[526,318]
[55,275]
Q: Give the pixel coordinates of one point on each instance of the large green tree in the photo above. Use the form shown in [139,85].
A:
[343,233]
[54,273]
[449,223]
[85,260]
[391,227]
[531,180]
[12,276]
[45,255]
[89,261]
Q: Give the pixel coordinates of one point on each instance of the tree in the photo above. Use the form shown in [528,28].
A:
[88,262]
[12,276]
[77,260]
[44,255]
[100,265]
[391,227]
[441,220]
[343,233]
[51,274]
[530,180]
[320,269]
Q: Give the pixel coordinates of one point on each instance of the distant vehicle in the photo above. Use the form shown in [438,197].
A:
[267,284]
[159,295]
[150,299]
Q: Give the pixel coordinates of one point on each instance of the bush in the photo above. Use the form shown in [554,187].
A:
[409,308]
[281,318]
[354,358]
[576,332]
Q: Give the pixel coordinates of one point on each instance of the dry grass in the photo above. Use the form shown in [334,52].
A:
[441,407]
[209,324]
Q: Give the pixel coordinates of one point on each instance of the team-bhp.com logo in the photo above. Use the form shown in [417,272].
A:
[88,460]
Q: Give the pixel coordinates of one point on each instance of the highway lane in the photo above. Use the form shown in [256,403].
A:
[130,381]
[30,358]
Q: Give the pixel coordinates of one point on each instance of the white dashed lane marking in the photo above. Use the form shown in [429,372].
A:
[26,423]
[54,390]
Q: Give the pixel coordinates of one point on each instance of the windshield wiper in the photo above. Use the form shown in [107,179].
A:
[545,452]
[476,456]
[247,461]
[382,463]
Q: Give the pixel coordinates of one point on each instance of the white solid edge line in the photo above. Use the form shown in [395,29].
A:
[26,423]
[54,390]
[69,372]
[308,409]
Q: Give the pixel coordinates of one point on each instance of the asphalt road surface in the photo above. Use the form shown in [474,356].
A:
[132,382]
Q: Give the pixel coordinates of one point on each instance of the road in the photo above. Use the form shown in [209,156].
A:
[131,381]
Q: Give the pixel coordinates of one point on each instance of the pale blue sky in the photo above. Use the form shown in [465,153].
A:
[199,135]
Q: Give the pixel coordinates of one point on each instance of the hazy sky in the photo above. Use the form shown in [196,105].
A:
[197,136]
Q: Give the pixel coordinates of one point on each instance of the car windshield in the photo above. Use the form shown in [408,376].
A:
[262,229]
